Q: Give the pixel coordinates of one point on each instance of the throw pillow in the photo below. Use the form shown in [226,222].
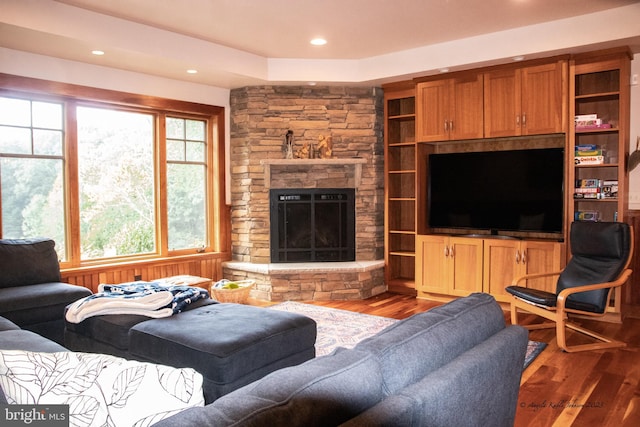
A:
[99,389]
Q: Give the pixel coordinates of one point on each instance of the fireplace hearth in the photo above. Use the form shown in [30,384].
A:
[312,225]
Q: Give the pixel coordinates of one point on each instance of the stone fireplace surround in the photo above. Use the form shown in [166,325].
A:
[260,117]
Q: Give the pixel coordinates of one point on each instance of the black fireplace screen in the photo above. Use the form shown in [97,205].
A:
[312,225]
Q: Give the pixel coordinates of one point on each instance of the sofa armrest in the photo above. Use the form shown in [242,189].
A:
[478,388]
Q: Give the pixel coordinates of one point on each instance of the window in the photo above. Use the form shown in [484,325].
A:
[111,178]
[186,192]
[116,182]
[31,170]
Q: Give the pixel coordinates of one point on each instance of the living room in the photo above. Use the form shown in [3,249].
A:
[335,79]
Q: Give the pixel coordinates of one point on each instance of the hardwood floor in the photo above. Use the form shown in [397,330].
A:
[594,388]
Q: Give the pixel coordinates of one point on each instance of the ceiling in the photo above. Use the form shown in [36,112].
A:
[237,42]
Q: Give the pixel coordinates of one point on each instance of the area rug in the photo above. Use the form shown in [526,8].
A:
[342,328]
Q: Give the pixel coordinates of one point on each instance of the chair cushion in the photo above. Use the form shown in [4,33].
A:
[534,296]
[26,262]
[600,251]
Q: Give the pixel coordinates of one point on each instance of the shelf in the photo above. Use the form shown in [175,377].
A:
[604,165]
[605,96]
[584,131]
[409,254]
[403,117]
[270,164]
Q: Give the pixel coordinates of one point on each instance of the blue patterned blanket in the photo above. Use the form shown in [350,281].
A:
[150,299]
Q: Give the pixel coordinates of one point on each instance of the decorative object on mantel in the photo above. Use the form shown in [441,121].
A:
[324,149]
[287,145]
[303,153]
[634,158]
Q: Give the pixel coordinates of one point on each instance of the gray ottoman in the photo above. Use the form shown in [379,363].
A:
[231,345]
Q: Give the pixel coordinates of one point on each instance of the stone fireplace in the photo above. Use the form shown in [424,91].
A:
[260,117]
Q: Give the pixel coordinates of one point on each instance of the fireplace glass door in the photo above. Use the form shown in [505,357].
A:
[312,225]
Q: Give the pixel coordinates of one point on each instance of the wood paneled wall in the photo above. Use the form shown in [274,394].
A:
[203,265]
[631,292]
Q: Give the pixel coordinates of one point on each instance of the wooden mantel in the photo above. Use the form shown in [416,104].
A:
[357,163]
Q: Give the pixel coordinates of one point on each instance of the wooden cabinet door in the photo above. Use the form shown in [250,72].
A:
[541,257]
[432,111]
[501,266]
[502,103]
[466,116]
[542,99]
[432,264]
[466,266]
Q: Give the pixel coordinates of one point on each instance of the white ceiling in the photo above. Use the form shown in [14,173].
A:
[237,42]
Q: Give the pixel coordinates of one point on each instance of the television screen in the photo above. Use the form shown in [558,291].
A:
[515,190]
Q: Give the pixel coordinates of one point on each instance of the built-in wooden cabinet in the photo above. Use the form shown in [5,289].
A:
[450,109]
[458,266]
[496,108]
[506,260]
[525,101]
[400,187]
[448,265]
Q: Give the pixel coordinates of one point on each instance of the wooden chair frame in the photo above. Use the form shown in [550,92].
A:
[559,315]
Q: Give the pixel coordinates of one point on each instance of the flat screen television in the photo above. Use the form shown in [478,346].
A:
[514,190]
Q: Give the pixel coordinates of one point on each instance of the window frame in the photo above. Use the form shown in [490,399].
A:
[71,96]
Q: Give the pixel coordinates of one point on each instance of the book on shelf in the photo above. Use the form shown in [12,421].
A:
[589,121]
[586,215]
[585,153]
[586,147]
[588,183]
[588,160]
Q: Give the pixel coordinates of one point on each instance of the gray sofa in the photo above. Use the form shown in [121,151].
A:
[31,292]
[455,365]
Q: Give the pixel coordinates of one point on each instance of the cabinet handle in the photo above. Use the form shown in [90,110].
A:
[518,120]
[446,126]
[524,119]
[451,254]
[446,251]
[524,257]
[451,125]
[517,257]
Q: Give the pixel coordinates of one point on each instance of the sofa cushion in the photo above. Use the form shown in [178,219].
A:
[26,262]
[429,340]
[38,303]
[100,389]
[325,391]
[478,388]
[20,339]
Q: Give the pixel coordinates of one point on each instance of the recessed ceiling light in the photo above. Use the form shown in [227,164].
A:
[192,71]
[518,58]
[98,52]
[318,42]
[444,70]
